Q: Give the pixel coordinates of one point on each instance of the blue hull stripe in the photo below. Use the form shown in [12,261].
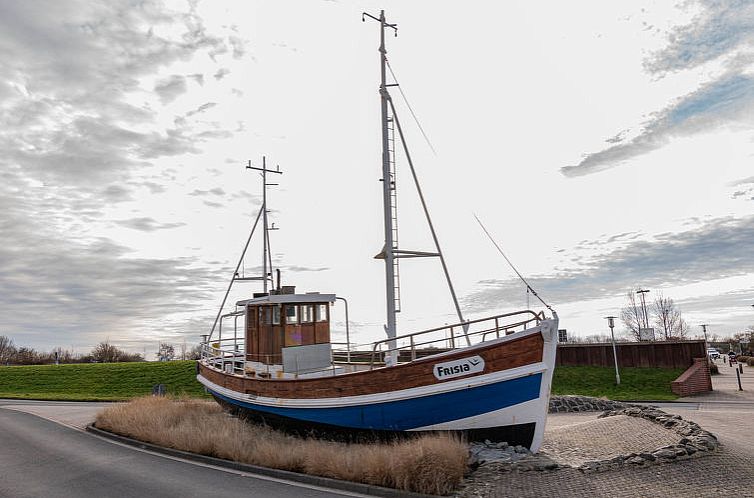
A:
[416,412]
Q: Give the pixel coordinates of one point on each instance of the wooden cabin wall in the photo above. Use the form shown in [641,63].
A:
[265,340]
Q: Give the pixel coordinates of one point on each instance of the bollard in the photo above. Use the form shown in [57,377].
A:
[738,376]
[740,367]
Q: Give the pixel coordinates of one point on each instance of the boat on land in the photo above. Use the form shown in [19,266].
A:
[487,378]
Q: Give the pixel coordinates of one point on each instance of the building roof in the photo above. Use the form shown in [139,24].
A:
[310,297]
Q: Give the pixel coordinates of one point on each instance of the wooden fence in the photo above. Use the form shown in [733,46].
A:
[665,354]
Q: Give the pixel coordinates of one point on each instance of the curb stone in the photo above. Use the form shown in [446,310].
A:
[325,482]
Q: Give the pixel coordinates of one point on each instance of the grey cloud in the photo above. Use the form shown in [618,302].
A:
[718,249]
[147,224]
[721,28]
[72,141]
[305,268]
[116,193]
[218,191]
[726,100]
[221,73]
[170,88]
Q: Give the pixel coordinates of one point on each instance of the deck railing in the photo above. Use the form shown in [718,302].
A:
[472,331]
[226,353]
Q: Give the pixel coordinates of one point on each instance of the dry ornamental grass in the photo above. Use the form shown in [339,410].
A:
[433,464]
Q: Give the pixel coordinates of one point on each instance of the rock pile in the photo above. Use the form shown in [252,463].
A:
[568,404]
[693,440]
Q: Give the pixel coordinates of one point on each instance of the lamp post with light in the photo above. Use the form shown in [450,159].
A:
[611,324]
[641,293]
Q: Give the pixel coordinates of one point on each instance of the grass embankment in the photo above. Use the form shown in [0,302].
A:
[122,381]
[635,383]
[428,464]
[98,381]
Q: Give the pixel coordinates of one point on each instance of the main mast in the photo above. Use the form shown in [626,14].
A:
[391,253]
[388,197]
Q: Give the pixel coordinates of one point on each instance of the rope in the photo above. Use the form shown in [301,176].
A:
[528,287]
[410,109]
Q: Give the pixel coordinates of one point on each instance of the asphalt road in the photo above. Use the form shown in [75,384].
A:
[39,458]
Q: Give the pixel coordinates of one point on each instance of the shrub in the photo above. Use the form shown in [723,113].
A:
[750,362]
[713,370]
[433,464]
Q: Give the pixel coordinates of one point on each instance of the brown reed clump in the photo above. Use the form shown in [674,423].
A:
[433,464]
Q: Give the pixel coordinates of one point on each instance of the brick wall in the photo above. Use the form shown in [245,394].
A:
[696,379]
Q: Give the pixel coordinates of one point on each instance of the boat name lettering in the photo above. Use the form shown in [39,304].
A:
[458,368]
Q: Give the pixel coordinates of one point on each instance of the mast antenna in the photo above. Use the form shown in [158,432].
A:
[266,254]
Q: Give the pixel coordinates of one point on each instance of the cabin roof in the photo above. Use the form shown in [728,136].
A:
[313,297]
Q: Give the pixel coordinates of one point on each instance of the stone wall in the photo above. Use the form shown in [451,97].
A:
[696,379]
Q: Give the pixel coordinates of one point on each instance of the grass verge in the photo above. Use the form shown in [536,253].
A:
[98,381]
[636,383]
[433,464]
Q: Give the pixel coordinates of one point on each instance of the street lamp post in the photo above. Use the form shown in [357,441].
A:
[641,293]
[611,324]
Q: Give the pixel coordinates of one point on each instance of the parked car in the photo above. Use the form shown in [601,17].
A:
[713,353]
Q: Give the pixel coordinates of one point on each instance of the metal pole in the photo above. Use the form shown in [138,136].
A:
[644,306]
[264,224]
[348,334]
[611,324]
[235,272]
[431,226]
[387,185]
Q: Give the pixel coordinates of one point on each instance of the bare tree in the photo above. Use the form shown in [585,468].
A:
[632,316]
[166,352]
[183,349]
[194,353]
[104,352]
[7,349]
[667,316]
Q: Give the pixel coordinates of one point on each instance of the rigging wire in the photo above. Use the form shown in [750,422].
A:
[528,287]
[410,109]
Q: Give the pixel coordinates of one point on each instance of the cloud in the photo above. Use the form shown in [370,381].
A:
[218,191]
[722,27]
[170,88]
[723,30]
[718,249]
[77,138]
[723,101]
[146,224]
[304,268]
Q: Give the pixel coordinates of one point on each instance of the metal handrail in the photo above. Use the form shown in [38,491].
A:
[413,344]
[216,355]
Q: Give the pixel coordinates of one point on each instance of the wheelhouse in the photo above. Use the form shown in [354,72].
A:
[287,333]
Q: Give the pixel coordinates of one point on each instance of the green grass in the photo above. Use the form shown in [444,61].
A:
[121,381]
[98,381]
[635,383]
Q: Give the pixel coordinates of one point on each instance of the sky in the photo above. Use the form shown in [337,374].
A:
[606,147]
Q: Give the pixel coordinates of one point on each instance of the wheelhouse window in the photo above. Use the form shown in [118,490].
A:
[276,315]
[265,315]
[307,313]
[321,312]
[291,313]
